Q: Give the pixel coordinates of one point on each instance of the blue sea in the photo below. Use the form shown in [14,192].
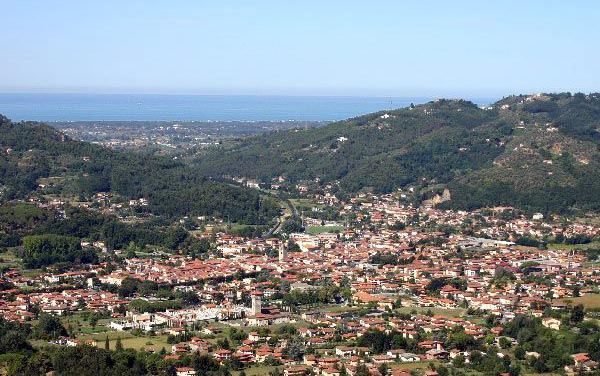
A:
[132,107]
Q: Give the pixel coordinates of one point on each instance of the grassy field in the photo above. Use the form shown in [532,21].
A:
[304,203]
[154,343]
[591,245]
[79,325]
[129,341]
[10,259]
[588,301]
[315,230]
[410,366]
[446,312]
[592,220]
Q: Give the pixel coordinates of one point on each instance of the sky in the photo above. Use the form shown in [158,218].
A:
[326,47]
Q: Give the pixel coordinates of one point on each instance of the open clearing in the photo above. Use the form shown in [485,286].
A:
[315,230]
[588,301]
[130,341]
[446,312]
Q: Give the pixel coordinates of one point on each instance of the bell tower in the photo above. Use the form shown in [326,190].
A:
[256,303]
[282,252]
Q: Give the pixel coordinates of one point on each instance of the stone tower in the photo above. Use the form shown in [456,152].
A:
[282,252]
[256,303]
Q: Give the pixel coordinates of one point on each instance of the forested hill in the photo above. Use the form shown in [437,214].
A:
[536,152]
[34,155]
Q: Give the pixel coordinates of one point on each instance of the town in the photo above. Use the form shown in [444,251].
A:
[380,286]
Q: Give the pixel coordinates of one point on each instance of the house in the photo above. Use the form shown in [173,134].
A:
[310,360]
[580,358]
[409,357]
[396,353]
[263,353]
[222,354]
[431,345]
[211,330]
[296,370]
[436,354]
[551,323]
[185,371]
[344,351]
[331,372]
[180,348]
[379,359]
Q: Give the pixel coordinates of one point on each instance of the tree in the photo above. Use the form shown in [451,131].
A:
[106,343]
[48,249]
[118,345]
[128,287]
[270,360]
[292,224]
[377,340]
[93,319]
[383,369]
[519,352]
[223,344]
[362,370]
[577,314]
[13,341]
[442,370]
[49,327]
[459,361]
[131,250]
[398,302]
[295,348]
[398,226]
[504,343]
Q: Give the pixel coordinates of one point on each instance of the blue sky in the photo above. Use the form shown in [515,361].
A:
[379,48]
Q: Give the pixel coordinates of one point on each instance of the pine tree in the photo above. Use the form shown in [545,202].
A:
[106,343]
[119,345]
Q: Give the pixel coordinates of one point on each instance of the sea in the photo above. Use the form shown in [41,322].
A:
[157,107]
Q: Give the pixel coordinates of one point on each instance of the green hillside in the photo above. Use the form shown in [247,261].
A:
[535,152]
[32,153]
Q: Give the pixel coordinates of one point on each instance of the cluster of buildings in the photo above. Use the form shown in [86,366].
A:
[390,255]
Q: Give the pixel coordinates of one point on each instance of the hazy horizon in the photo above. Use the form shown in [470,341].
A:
[185,107]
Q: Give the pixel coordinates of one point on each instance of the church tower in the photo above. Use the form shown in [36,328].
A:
[282,252]
[256,303]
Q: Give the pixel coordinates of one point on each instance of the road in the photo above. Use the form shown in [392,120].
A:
[290,209]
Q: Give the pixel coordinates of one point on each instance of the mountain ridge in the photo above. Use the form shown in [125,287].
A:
[538,152]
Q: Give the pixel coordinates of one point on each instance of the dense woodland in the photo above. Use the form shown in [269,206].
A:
[31,151]
[537,153]
[48,238]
